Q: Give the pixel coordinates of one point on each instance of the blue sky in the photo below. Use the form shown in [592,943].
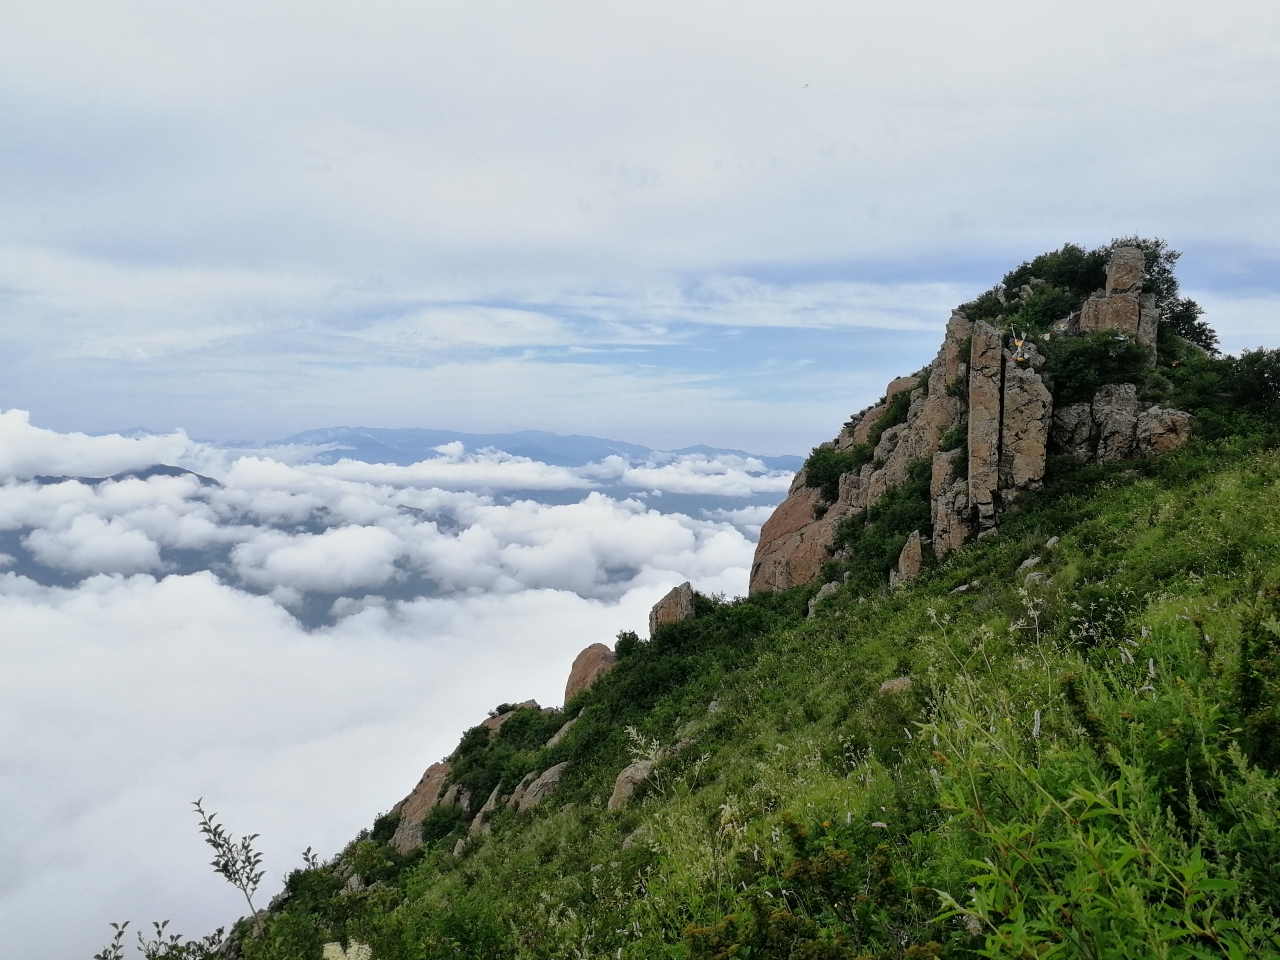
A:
[673,224]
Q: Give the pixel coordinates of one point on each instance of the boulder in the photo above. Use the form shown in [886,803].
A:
[1026,419]
[909,561]
[1158,431]
[862,431]
[480,824]
[826,590]
[1120,313]
[417,805]
[1115,414]
[588,667]
[630,778]
[542,788]
[793,546]
[891,688]
[513,801]
[1072,432]
[675,607]
[457,796]
[986,362]
[560,734]
[1125,270]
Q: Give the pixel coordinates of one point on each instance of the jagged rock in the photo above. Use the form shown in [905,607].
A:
[793,546]
[909,561]
[826,590]
[480,823]
[513,801]
[1115,413]
[1028,564]
[1073,431]
[952,363]
[986,361]
[1125,270]
[1026,419]
[560,734]
[542,788]
[459,848]
[457,796]
[891,688]
[1148,326]
[630,778]
[1120,313]
[588,667]
[862,431]
[1051,543]
[416,806]
[675,607]
[948,504]
[1158,431]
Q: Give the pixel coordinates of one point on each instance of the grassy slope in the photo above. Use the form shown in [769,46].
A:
[815,817]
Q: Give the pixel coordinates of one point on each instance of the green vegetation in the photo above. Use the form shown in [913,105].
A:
[826,465]
[1085,765]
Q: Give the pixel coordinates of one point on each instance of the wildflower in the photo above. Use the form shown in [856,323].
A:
[972,924]
[880,824]
[1151,667]
[1035,725]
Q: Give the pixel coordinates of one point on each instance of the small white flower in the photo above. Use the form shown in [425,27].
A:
[1151,667]
[880,824]
[1035,725]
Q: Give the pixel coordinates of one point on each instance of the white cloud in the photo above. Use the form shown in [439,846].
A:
[139,688]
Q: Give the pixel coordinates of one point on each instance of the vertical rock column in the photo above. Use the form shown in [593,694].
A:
[986,375]
[1026,420]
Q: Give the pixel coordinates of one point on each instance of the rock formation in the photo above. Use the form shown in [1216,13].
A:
[910,561]
[417,805]
[630,778]
[542,787]
[988,391]
[588,667]
[675,607]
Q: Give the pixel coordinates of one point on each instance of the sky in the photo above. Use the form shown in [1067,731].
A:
[665,223]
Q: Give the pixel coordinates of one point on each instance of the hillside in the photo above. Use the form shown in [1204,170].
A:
[1060,736]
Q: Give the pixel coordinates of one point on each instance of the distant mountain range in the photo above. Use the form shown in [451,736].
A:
[406,446]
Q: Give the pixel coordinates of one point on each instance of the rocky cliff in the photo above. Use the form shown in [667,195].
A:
[982,415]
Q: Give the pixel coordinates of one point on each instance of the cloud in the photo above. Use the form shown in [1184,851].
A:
[294,643]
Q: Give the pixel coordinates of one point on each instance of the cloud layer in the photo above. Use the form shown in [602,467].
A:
[294,641]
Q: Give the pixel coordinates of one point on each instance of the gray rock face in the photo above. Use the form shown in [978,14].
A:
[949,505]
[1026,419]
[1148,326]
[480,824]
[1073,430]
[910,560]
[1125,270]
[513,801]
[560,734]
[986,377]
[675,607]
[630,778]
[826,590]
[1159,431]
[1119,313]
[1115,414]
[542,788]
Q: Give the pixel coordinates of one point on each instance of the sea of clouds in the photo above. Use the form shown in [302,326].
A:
[293,640]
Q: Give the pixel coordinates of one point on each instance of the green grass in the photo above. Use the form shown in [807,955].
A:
[1086,766]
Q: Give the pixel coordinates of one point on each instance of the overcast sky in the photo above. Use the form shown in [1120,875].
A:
[672,223]
[667,223]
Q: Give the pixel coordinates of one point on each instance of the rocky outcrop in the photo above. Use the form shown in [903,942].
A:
[675,607]
[480,824]
[1114,427]
[826,590]
[1159,431]
[1115,415]
[562,732]
[986,380]
[991,390]
[630,778]
[588,667]
[542,787]
[910,561]
[417,805]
